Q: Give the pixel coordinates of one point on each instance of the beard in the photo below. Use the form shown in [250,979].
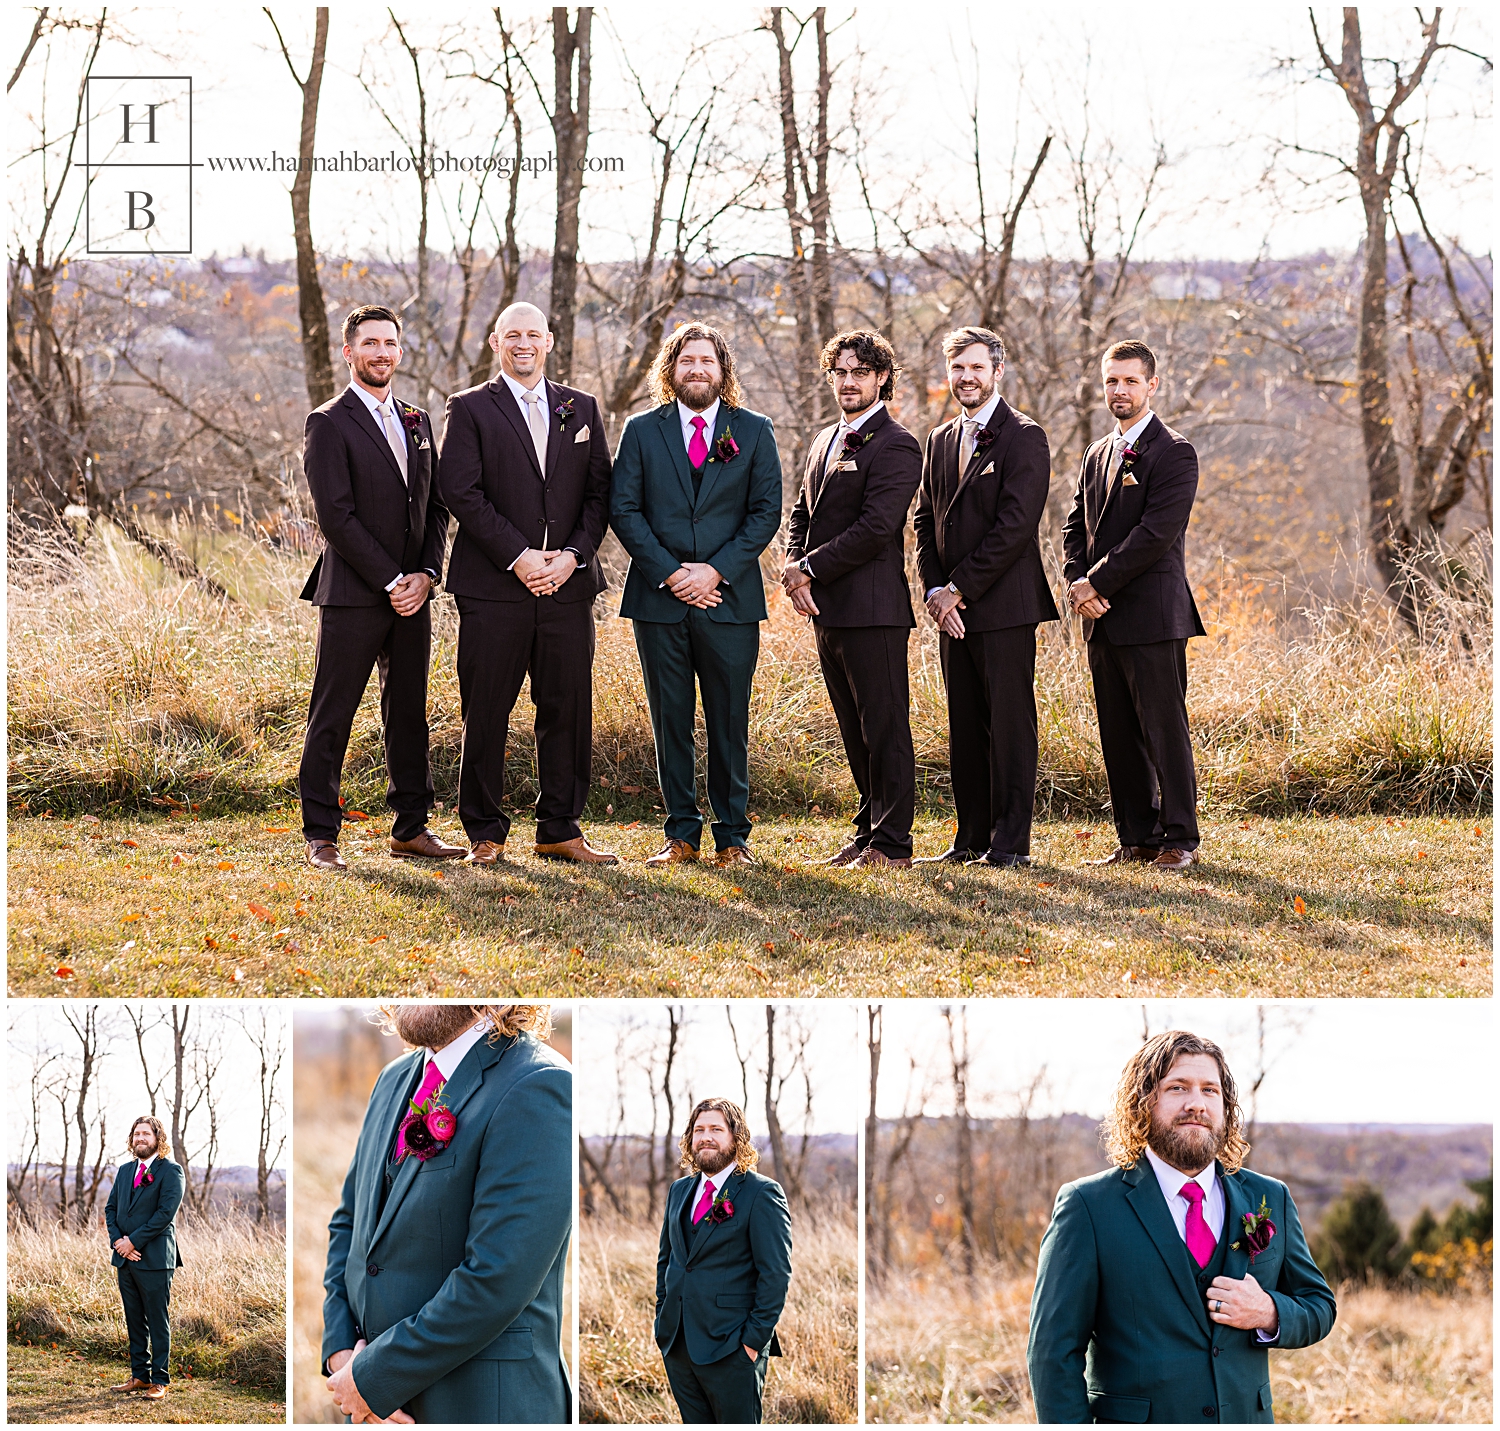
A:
[712,1160]
[971,402]
[431,1026]
[369,377]
[1187,1147]
[700,396]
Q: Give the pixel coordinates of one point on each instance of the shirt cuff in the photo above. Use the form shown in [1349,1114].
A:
[400,577]
[1266,1338]
[519,555]
[430,572]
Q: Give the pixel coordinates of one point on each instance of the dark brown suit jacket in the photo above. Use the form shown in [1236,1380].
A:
[376,528]
[503,503]
[1129,542]
[978,530]
[849,525]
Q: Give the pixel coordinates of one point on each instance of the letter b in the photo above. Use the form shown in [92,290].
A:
[143,207]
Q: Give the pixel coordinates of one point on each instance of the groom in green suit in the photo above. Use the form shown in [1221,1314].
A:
[722,1271]
[696,500]
[443,1290]
[1162,1284]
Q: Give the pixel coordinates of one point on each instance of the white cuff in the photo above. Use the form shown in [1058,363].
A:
[400,577]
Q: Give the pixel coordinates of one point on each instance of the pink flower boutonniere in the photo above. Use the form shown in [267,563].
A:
[147,1179]
[1259,1230]
[726,449]
[721,1209]
[428,1129]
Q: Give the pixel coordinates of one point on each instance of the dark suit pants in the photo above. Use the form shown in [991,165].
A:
[146,1296]
[723,1392]
[720,657]
[1140,693]
[352,641]
[864,668]
[991,682]
[500,643]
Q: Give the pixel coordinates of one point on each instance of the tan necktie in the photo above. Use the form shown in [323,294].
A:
[1116,461]
[834,454]
[395,436]
[536,420]
[966,444]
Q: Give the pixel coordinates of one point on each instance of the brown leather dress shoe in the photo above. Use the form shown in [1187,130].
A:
[674,852]
[486,852]
[321,855]
[732,855]
[1127,855]
[872,859]
[846,856]
[579,850]
[426,846]
[155,1392]
[1175,861]
[134,1384]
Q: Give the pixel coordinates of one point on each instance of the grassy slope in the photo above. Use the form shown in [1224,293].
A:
[1389,908]
[62,1386]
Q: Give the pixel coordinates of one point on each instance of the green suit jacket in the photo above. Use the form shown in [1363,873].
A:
[1119,1328]
[729,523]
[147,1215]
[456,1285]
[725,1284]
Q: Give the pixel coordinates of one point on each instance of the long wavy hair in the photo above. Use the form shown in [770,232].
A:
[163,1143]
[662,380]
[746,1155]
[506,1020]
[1128,1125]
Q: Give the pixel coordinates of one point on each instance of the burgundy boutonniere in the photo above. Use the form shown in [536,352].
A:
[428,1129]
[1128,459]
[411,418]
[1259,1230]
[146,1178]
[564,411]
[854,440]
[983,438]
[721,1209]
[726,449]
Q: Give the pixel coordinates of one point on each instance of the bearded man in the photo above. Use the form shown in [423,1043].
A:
[443,1288]
[722,1271]
[1162,1283]
[696,500]
[141,1218]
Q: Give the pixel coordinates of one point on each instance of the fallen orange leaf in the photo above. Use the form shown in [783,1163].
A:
[769,946]
[260,911]
[225,865]
[64,971]
[129,918]
[130,844]
[277,829]
[209,942]
[1299,905]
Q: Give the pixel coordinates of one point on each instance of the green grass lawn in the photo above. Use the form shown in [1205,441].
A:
[66,1387]
[1303,907]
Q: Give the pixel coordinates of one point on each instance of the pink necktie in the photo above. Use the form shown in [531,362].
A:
[1200,1241]
[704,1203]
[140,1173]
[430,1085]
[698,455]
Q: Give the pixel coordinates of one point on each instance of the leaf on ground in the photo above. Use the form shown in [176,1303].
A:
[129,918]
[225,865]
[130,844]
[278,829]
[64,971]
[237,976]
[1300,905]
[630,789]
[209,942]
[260,912]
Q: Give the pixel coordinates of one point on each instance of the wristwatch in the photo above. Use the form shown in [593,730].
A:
[803,567]
[953,589]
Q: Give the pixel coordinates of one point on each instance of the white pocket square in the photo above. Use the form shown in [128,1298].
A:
[582,435]
[988,470]
[1128,481]
[846,466]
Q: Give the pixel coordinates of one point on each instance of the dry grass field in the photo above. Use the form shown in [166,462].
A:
[66,1330]
[939,1352]
[622,1375]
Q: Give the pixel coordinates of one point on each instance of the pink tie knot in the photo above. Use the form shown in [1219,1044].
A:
[1192,1192]
[140,1173]
[704,1203]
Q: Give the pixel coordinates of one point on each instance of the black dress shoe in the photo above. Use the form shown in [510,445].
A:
[949,857]
[1002,861]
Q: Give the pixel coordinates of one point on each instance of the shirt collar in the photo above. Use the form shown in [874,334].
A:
[370,401]
[1172,1179]
[520,390]
[983,416]
[1132,433]
[717,1180]
[146,1162]
[709,415]
[861,420]
[451,1055]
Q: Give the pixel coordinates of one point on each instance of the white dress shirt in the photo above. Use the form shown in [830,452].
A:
[710,415]
[381,411]
[451,1055]
[847,425]
[712,1180]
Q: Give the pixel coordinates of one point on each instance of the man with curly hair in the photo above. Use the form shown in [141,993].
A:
[722,1271]
[443,1288]
[1162,1283]
[696,500]
[140,1215]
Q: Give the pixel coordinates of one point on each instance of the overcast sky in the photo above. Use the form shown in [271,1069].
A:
[1337,1061]
[36,1023]
[1208,85]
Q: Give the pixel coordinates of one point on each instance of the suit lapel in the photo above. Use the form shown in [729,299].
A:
[365,419]
[387,1116]
[713,467]
[869,428]
[1236,1260]
[669,429]
[819,478]
[130,1187]
[505,400]
[1111,489]
[983,456]
[675,1233]
[555,431]
[1144,1195]
[731,1190]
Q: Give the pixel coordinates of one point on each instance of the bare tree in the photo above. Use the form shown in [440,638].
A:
[143,1019]
[267,1035]
[91,1027]
[312,311]
[197,1052]
[791,1167]
[27,1164]
[958,1057]
[571,47]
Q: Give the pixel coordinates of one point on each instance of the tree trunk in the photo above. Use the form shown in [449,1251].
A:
[311,307]
[873,1268]
[570,129]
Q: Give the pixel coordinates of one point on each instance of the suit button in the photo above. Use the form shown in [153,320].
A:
[1208,1411]
[373,1270]
[1216,1351]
